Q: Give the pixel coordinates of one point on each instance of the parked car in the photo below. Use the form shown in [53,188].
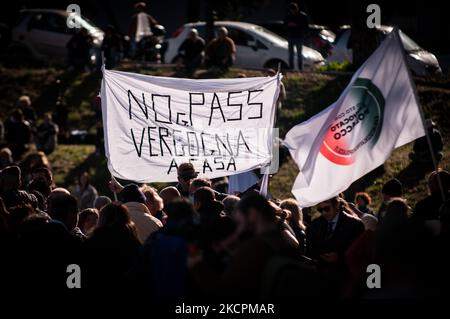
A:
[42,34]
[256,47]
[317,37]
[420,61]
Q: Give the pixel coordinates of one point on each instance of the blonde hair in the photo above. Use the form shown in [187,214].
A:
[296,212]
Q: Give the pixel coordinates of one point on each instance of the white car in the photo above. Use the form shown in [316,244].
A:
[420,61]
[256,47]
[42,34]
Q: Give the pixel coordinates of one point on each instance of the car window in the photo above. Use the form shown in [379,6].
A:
[48,22]
[240,37]
[261,45]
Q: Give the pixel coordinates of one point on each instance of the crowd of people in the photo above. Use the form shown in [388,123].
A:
[194,240]
[23,128]
[142,43]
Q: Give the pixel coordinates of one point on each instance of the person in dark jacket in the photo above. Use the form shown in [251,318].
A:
[248,272]
[18,134]
[296,25]
[28,112]
[111,251]
[47,135]
[427,209]
[79,47]
[161,271]
[391,189]
[112,47]
[10,192]
[191,51]
[329,237]
[206,205]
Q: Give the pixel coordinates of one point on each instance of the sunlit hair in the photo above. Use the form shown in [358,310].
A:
[151,194]
[296,212]
[364,196]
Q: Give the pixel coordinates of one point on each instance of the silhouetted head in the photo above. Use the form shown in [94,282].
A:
[140,6]
[392,188]
[293,8]
[193,34]
[254,210]
[101,201]
[64,208]
[440,177]
[203,197]
[10,178]
[168,194]
[230,202]
[222,33]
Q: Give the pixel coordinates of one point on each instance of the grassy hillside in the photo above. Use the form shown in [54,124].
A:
[307,94]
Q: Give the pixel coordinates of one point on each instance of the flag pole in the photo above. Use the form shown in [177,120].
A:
[115,194]
[422,115]
[103,60]
[265,179]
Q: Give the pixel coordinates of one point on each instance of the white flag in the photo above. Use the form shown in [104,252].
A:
[375,114]
[154,124]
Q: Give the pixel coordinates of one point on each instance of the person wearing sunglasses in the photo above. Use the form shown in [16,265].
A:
[330,235]
[186,174]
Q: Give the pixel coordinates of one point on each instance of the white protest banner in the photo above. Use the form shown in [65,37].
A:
[153,124]
[375,114]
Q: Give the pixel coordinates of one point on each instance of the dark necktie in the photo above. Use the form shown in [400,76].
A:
[329,229]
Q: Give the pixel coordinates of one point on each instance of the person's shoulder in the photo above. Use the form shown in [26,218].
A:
[350,219]
[229,40]
[155,220]
[92,188]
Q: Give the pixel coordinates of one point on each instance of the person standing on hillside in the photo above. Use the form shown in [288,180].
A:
[191,51]
[47,135]
[221,51]
[296,25]
[141,25]
[18,134]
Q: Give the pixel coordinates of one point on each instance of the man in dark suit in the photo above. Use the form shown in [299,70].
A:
[329,236]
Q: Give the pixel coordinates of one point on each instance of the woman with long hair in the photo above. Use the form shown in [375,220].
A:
[295,220]
[111,250]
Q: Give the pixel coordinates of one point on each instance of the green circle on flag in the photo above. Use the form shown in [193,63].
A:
[357,125]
